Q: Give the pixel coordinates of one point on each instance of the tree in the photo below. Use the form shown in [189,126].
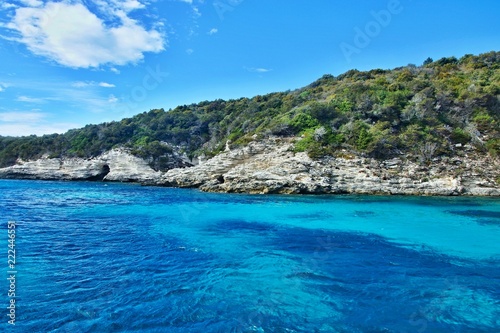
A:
[428,61]
[426,151]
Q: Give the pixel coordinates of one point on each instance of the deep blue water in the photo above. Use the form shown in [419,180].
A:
[94,257]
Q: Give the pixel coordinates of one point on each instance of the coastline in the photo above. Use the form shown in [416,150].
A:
[272,167]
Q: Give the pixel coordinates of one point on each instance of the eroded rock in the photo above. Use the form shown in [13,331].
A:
[115,165]
[271,166]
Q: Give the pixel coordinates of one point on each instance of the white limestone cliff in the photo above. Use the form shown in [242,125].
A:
[271,166]
[114,165]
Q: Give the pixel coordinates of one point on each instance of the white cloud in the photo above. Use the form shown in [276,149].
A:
[112,99]
[80,84]
[187,1]
[32,3]
[30,122]
[130,5]
[84,84]
[213,31]
[7,5]
[27,117]
[23,129]
[189,51]
[111,8]
[106,85]
[87,96]
[30,99]
[196,12]
[3,86]
[73,36]
[114,70]
[258,70]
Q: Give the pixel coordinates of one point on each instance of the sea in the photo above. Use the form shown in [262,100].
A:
[107,257]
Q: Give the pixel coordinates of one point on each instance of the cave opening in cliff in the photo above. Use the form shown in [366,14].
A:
[105,170]
[103,173]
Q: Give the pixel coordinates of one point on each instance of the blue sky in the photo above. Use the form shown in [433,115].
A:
[65,64]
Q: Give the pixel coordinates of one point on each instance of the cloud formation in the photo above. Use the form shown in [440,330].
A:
[31,122]
[6,5]
[24,129]
[21,116]
[28,99]
[84,84]
[32,3]
[112,99]
[106,85]
[258,70]
[73,36]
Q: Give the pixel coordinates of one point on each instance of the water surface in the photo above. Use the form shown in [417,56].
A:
[95,257]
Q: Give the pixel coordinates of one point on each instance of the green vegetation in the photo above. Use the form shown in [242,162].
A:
[424,111]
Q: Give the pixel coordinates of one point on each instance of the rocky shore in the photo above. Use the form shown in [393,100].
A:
[115,165]
[271,166]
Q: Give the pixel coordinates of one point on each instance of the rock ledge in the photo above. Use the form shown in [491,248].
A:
[271,166]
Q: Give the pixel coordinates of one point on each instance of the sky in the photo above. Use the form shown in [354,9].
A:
[66,64]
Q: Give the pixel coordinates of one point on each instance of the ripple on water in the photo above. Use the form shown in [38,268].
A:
[127,258]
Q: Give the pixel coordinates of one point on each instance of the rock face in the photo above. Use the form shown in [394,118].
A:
[271,166]
[115,165]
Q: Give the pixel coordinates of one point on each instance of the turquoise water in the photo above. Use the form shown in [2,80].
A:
[94,257]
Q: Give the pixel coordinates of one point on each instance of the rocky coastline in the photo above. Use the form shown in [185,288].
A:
[271,166]
[116,165]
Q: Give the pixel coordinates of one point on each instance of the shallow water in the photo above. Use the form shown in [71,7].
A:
[94,257]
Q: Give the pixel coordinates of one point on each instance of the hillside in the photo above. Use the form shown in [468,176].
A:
[418,111]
